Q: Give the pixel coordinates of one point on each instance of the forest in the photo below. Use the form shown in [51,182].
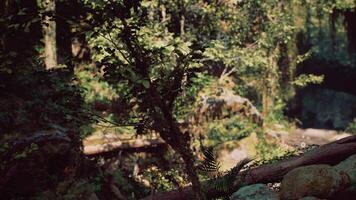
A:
[177,99]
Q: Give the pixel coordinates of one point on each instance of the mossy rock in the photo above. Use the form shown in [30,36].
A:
[254,192]
[348,167]
[321,181]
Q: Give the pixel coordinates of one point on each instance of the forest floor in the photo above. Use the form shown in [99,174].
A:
[297,138]
[310,136]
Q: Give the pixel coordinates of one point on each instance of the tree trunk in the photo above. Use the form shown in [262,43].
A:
[49,33]
[113,147]
[350,17]
[5,9]
[180,144]
[331,154]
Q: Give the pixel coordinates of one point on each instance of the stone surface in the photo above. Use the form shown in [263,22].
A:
[348,166]
[309,198]
[221,103]
[254,192]
[321,181]
[309,136]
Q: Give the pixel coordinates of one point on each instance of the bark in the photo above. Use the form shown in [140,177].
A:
[333,31]
[182,25]
[117,146]
[331,154]
[182,19]
[350,17]
[49,33]
[6,7]
[160,108]
[180,144]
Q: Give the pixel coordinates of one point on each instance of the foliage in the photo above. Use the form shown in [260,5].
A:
[163,180]
[19,39]
[69,190]
[230,129]
[325,29]
[304,80]
[35,100]
[129,186]
[227,184]
[151,59]
[277,115]
[209,163]
[95,90]
[351,128]
[270,152]
[186,102]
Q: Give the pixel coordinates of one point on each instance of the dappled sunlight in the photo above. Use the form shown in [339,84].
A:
[171,99]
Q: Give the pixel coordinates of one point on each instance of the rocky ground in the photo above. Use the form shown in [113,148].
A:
[312,182]
[310,136]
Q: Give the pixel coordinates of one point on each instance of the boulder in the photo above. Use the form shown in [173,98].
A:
[309,198]
[254,192]
[223,103]
[348,167]
[321,181]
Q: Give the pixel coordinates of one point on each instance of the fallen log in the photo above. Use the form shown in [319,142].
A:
[137,145]
[331,154]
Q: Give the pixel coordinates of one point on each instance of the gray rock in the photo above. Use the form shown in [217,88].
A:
[223,103]
[348,166]
[310,198]
[321,181]
[254,192]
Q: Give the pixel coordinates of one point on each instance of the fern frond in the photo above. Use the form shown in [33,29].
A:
[238,167]
[209,164]
[225,184]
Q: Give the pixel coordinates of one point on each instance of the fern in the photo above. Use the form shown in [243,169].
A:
[209,164]
[223,183]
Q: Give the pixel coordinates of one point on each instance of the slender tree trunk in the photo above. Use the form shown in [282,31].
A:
[49,33]
[182,24]
[164,16]
[333,19]
[182,18]
[5,9]
[270,81]
[265,101]
[179,141]
[350,17]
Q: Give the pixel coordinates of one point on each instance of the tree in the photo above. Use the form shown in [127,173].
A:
[49,33]
[153,48]
[152,87]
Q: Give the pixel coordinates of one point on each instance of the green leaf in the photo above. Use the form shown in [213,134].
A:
[146,84]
